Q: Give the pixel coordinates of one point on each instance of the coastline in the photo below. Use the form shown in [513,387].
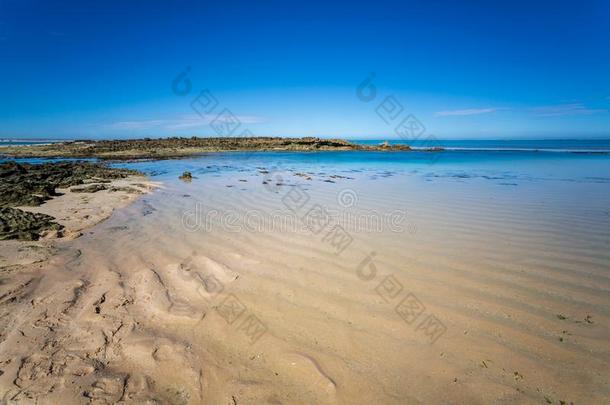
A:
[58,203]
[76,213]
[184,147]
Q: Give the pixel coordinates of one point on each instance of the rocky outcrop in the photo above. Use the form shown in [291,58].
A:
[31,185]
[23,225]
[180,147]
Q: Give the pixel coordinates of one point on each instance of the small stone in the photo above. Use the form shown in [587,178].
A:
[186,176]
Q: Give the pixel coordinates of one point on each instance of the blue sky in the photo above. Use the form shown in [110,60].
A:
[477,69]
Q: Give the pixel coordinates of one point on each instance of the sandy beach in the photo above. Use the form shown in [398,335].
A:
[227,289]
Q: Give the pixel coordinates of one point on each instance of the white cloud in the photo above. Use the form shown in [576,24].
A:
[469,111]
[565,109]
[134,125]
[193,121]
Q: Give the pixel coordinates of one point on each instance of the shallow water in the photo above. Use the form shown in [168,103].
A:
[493,246]
[493,165]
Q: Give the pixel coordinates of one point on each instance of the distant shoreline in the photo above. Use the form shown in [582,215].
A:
[168,148]
[180,147]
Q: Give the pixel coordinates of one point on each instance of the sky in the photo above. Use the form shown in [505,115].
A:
[455,70]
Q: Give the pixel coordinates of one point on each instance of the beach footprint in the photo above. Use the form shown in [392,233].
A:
[312,374]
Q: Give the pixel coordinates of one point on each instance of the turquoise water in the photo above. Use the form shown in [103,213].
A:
[511,168]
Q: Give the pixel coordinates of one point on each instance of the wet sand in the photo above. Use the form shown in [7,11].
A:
[480,293]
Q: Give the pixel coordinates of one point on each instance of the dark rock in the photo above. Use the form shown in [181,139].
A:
[91,188]
[31,185]
[126,189]
[186,176]
[23,225]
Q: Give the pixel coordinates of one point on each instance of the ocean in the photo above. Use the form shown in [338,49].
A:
[544,145]
[16,142]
